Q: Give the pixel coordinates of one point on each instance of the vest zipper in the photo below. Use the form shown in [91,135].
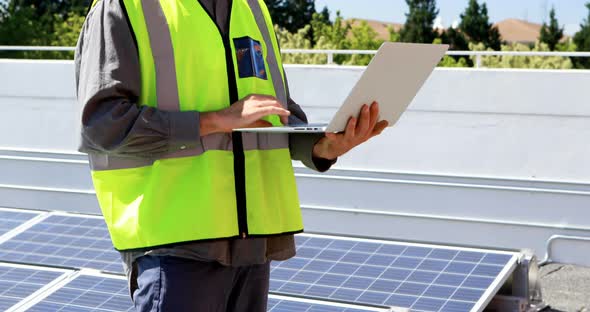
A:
[237,143]
[238,146]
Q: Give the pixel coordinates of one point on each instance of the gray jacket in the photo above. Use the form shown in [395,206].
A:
[108,84]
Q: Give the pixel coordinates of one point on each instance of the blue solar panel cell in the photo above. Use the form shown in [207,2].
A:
[443,254]
[460,267]
[417,252]
[401,301]
[448,279]
[469,256]
[10,219]
[360,283]
[344,268]
[68,241]
[396,274]
[467,294]
[442,292]
[413,289]
[487,270]
[346,294]
[478,282]
[497,259]
[420,277]
[428,304]
[406,263]
[433,265]
[423,277]
[370,271]
[455,306]
[373,296]
[381,260]
[17,283]
[386,286]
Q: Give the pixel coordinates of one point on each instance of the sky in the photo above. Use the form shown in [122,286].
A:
[570,13]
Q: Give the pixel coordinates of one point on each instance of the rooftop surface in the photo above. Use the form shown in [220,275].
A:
[566,287]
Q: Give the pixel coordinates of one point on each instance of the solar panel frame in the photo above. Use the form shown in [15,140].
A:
[32,282]
[501,263]
[313,305]
[64,240]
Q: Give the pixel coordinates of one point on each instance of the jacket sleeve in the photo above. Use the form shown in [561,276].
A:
[108,86]
[301,144]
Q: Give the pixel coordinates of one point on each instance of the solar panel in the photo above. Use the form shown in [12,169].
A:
[419,277]
[88,293]
[10,219]
[18,283]
[67,241]
[106,293]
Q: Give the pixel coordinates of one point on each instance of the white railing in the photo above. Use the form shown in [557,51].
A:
[330,53]
[477,54]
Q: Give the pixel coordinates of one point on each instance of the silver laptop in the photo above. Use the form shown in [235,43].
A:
[393,78]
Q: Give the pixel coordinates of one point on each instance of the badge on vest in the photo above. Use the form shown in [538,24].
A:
[250,58]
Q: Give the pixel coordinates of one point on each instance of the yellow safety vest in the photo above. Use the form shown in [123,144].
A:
[231,185]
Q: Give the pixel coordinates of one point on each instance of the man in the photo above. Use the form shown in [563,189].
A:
[196,210]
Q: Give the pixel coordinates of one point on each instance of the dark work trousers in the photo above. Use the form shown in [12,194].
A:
[177,285]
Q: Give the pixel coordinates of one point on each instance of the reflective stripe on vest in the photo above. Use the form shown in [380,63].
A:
[191,195]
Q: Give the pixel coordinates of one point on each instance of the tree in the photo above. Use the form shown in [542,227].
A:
[419,21]
[53,7]
[455,39]
[39,22]
[291,15]
[363,37]
[324,16]
[582,41]
[513,61]
[334,32]
[476,26]
[551,34]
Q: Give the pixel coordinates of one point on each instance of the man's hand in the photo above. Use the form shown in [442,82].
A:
[246,113]
[358,131]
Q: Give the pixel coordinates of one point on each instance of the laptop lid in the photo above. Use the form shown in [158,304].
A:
[393,78]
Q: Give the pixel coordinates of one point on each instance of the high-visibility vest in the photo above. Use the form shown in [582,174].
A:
[231,185]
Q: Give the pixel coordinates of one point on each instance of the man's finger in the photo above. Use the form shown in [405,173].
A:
[362,128]
[270,102]
[374,115]
[350,131]
[272,110]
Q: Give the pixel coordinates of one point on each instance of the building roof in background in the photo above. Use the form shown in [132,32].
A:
[515,30]
[512,30]
[382,28]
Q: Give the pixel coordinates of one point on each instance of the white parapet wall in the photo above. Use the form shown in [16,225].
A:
[496,158]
